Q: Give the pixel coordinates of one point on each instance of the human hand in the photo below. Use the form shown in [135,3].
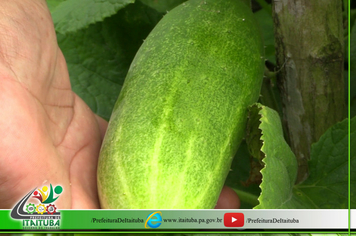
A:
[49,135]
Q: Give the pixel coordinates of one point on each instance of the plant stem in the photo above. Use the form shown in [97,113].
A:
[247,197]
[311,66]
[269,92]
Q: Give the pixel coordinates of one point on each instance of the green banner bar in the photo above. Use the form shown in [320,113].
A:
[114,219]
[7,223]
[172,219]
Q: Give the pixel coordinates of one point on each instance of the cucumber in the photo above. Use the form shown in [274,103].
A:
[182,111]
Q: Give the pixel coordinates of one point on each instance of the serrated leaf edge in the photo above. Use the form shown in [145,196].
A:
[260,108]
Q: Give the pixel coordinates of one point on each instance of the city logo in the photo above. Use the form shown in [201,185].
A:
[37,209]
[234,220]
[153,220]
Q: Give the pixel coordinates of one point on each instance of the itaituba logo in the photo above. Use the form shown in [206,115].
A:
[37,209]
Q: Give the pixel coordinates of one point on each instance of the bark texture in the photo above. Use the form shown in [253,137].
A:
[309,48]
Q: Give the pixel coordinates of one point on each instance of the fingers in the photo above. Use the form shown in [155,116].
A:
[27,43]
[228,199]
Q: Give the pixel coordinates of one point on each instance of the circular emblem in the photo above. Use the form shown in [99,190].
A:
[51,209]
[41,209]
[30,208]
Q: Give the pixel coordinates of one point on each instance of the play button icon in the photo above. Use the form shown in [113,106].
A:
[234,220]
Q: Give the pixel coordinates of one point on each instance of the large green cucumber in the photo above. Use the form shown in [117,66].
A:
[181,113]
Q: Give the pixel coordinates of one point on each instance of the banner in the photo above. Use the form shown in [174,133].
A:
[178,220]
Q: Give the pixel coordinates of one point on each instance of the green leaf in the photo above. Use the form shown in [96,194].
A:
[72,15]
[239,178]
[353,162]
[266,25]
[162,6]
[98,57]
[244,176]
[353,71]
[329,234]
[265,6]
[52,4]
[352,17]
[217,234]
[280,171]
[327,184]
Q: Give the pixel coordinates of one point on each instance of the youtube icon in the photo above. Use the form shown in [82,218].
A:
[234,220]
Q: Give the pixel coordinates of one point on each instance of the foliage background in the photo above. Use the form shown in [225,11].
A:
[99,39]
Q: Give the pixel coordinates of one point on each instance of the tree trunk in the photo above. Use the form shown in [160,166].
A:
[309,51]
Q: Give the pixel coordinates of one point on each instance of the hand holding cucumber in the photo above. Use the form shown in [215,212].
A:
[49,135]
